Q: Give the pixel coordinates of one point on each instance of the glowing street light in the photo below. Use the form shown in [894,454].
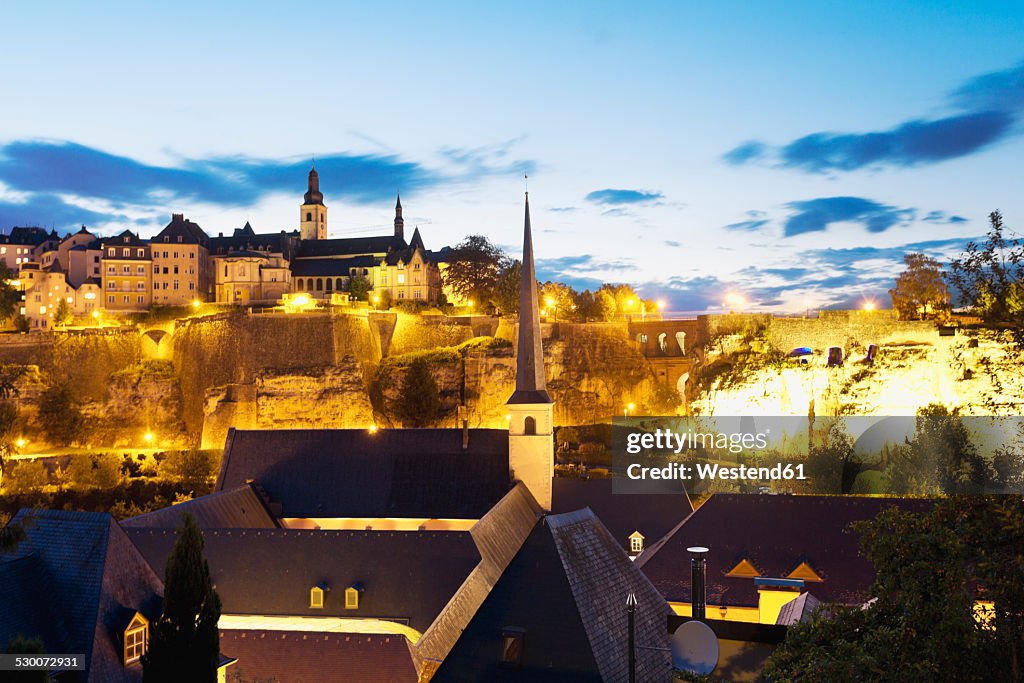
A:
[148,437]
[372,429]
[20,443]
[196,303]
[627,411]
[734,301]
[869,305]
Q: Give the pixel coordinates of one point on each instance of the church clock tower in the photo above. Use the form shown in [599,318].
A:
[531,446]
[313,213]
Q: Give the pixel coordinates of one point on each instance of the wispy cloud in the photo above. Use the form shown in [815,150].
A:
[615,197]
[987,110]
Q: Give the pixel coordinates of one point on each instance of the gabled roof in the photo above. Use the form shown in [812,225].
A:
[420,473]
[653,515]
[237,508]
[566,591]
[246,239]
[26,236]
[774,533]
[89,575]
[305,657]
[125,238]
[350,246]
[180,226]
[406,575]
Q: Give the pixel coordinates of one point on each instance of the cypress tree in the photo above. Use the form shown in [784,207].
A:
[184,644]
[419,404]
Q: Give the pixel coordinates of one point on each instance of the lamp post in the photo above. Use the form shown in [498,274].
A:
[551,303]
[376,300]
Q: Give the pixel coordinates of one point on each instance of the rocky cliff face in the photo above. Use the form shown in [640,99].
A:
[331,398]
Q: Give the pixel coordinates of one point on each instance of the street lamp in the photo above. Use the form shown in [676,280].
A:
[376,300]
[630,407]
[552,304]
[869,305]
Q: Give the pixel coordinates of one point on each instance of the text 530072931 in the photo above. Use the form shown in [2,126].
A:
[42,662]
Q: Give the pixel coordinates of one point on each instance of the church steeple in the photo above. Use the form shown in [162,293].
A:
[313,212]
[531,445]
[399,221]
[531,386]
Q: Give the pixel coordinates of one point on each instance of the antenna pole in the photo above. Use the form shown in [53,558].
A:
[631,614]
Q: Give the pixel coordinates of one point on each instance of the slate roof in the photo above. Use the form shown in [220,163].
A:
[332,267]
[405,575]
[119,240]
[350,246]
[237,508]
[87,577]
[353,473]
[499,535]
[180,226]
[247,239]
[566,589]
[299,657]
[25,236]
[652,514]
[775,533]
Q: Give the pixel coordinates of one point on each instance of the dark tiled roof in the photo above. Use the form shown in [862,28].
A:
[245,239]
[406,575]
[299,657]
[238,508]
[653,515]
[179,226]
[89,578]
[350,246]
[499,535]
[566,589]
[26,609]
[353,473]
[332,267]
[775,534]
[119,240]
[29,236]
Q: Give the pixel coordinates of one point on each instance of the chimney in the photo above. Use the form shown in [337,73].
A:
[698,574]
[177,216]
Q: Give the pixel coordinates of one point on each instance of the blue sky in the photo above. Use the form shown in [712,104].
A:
[786,152]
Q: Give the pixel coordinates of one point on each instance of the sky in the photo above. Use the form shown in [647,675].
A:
[787,153]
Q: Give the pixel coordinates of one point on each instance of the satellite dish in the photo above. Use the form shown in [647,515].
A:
[695,648]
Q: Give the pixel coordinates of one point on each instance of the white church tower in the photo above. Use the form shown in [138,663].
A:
[531,444]
[313,212]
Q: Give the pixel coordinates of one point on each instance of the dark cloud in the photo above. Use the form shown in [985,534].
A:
[563,264]
[52,212]
[67,167]
[815,215]
[616,197]
[989,109]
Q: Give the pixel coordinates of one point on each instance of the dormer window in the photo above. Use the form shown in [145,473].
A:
[636,543]
[316,596]
[805,572]
[135,638]
[744,569]
[512,641]
[352,596]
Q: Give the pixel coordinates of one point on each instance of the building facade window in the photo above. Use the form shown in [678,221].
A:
[512,642]
[135,638]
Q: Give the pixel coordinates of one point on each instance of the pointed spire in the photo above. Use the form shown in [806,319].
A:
[399,221]
[530,383]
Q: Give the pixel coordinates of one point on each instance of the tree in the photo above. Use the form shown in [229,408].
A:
[21,324]
[59,414]
[358,287]
[606,305]
[506,291]
[942,448]
[558,300]
[184,644]
[920,291]
[990,276]
[10,297]
[419,403]
[920,624]
[62,315]
[474,266]
[587,307]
